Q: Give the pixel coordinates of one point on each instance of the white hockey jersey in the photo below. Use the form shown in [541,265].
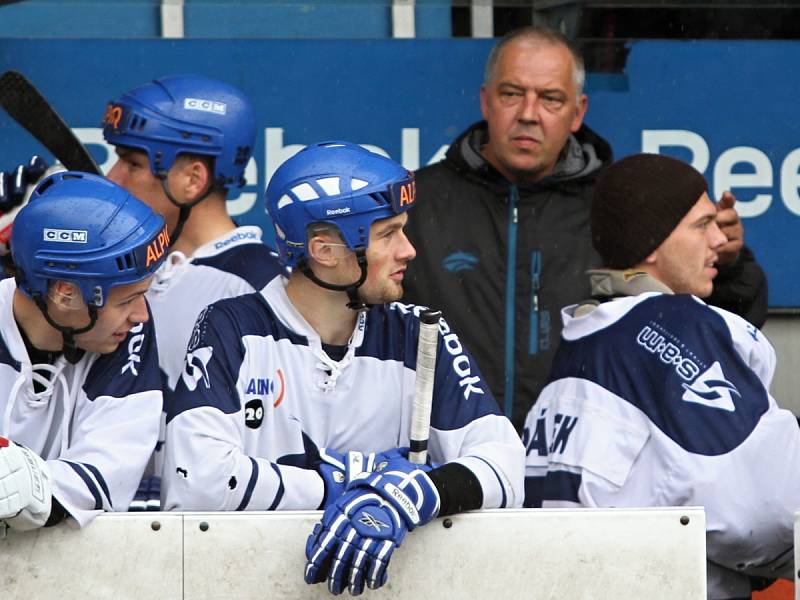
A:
[231,265]
[661,400]
[259,396]
[96,423]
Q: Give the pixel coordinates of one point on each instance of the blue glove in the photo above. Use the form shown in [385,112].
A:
[358,533]
[338,470]
[14,184]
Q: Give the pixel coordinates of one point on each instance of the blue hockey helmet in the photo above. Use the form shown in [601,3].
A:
[89,231]
[185,114]
[338,183]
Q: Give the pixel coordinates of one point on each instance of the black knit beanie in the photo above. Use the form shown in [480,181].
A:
[637,203]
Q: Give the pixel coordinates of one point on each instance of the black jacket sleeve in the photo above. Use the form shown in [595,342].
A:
[741,288]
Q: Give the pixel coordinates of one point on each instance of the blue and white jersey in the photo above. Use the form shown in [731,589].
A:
[661,400]
[259,396]
[95,422]
[234,264]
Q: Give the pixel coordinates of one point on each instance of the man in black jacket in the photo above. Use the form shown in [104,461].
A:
[504,219]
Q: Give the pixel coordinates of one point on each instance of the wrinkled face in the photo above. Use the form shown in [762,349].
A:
[124,308]
[531,107]
[132,172]
[388,255]
[685,260]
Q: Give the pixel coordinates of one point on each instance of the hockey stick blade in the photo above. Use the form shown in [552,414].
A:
[26,105]
[419,431]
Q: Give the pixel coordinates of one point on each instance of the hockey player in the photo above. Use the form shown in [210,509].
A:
[79,386]
[183,142]
[280,383]
[657,399]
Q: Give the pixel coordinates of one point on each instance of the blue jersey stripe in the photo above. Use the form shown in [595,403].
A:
[279,493]
[561,485]
[500,481]
[98,500]
[99,477]
[248,492]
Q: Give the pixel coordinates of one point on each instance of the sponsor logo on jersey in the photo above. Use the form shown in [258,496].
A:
[210,106]
[669,349]
[236,237]
[460,261]
[265,387]
[469,383]
[198,329]
[134,346]
[254,413]
[712,389]
[195,369]
[563,426]
[73,236]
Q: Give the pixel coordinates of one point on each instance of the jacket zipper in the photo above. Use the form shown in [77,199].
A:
[536,272]
[511,274]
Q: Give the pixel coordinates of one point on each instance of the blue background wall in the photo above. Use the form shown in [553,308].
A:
[412,97]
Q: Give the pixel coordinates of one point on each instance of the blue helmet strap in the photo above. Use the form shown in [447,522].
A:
[71,352]
[184,208]
[355,303]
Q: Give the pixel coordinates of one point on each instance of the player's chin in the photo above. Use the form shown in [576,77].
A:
[704,289]
[104,347]
[391,293]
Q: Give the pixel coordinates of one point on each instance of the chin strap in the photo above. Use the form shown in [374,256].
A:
[355,303]
[183,208]
[71,352]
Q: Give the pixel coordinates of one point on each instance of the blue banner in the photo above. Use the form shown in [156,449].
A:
[724,106]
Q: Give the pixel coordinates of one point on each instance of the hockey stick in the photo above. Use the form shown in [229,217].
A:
[423,388]
[26,105]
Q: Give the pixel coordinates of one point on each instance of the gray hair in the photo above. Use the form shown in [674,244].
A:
[542,35]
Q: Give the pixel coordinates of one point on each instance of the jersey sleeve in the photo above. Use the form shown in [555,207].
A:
[467,426]
[206,467]
[113,430]
[752,345]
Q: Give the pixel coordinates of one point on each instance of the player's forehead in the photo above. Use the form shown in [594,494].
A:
[131,153]
[395,222]
[129,290]
[703,209]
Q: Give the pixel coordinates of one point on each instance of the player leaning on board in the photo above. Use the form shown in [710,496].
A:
[80,394]
[279,385]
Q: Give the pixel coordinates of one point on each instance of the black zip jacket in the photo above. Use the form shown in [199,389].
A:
[501,260]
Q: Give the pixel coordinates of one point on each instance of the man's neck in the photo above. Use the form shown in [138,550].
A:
[207,221]
[325,310]
[33,325]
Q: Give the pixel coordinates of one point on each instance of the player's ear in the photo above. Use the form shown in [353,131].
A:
[194,177]
[322,251]
[65,295]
